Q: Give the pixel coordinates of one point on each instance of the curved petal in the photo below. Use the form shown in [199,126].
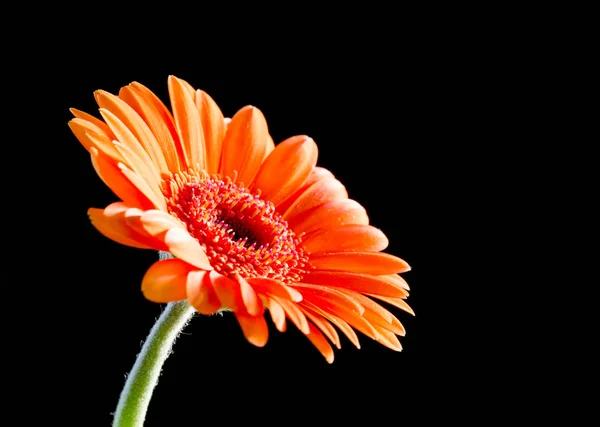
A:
[200,292]
[253,305]
[340,323]
[159,119]
[229,293]
[322,191]
[318,173]
[90,135]
[245,145]
[83,116]
[213,128]
[331,296]
[324,325]
[188,123]
[277,314]
[396,302]
[387,338]
[124,189]
[330,215]
[131,119]
[254,327]
[165,281]
[350,237]
[112,224]
[286,169]
[359,262]
[265,286]
[318,340]
[294,314]
[362,283]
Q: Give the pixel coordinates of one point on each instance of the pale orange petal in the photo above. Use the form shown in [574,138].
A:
[123,188]
[255,328]
[187,248]
[274,287]
[322,191]
[318,173]
[253,305]
[277,314]
[165,281]
[396,302]
[141,168]
[397,280]
[111,223]
[340,323]
[387,338]
[330,296]
[90,136]
[142,185]
[294,314]
[213,127]
[159,119]
[363,283]
[319,341]
[229,293]
[286,169]
[188,123]
[245,145]
[131,119]
[93,120]
[359,262]
[377,315]
[330,215]
[325,327]
[350,237]
[200,292]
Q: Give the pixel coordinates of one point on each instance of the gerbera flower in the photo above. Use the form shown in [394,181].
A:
[251,226]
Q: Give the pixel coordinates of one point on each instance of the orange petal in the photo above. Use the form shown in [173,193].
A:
[82,115]
[229,293]
[388,339]
[200,292]
[377,315]
[144,170]
[159,120]
[325,327]
[350,237]
[213,127]
[396,302]
[254,327]
[132,120]
[111,223]
[251,301]
[319,341]
[188,123]
[341,324]
[89,135]
[397,280]
[165,281]
[294,314]
[363,283]
[286,169]
[144,188]
[359,262]
[274,287]
[316,174]
[330,215]
[123,188]
[320,192]
[277,314]
[245,145]
[332,297]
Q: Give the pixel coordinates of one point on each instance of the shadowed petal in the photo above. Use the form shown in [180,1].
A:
[165,281]
[200,292]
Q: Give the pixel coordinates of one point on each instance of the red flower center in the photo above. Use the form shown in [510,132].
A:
[240,232]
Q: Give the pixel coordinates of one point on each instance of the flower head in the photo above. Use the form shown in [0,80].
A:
[251,225]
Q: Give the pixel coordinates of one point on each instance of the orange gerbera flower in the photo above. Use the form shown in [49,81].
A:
[251,225]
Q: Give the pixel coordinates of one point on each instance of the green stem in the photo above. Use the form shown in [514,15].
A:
[135,397]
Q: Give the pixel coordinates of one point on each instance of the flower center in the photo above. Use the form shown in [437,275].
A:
[240,232]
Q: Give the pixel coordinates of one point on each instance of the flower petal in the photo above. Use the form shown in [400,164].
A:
[330,296]
[131,119]
[363,283]
[322,191]
[253,305]
[265,286]
[350,237]
[165,281]
[200,292]
[255,328]
[159,120]
[318,340]
[111,223]
[330,215]
[113,177]
[341,324]
[325,327]
[213,128]
[277,314]
[245,145]
[359,262]
[286,169]
[90,135]
[396,302]
[93,121]
[188,123]
[229,293]
[294,314]
[318,173]
[387,338]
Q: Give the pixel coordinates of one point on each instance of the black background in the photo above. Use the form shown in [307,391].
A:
[375,132]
